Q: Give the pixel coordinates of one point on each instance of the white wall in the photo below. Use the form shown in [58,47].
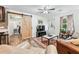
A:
[75,18]
[35,19]
[54,19]
[51,20]
[76,21]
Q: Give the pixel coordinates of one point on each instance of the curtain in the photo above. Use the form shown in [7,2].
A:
[70,21]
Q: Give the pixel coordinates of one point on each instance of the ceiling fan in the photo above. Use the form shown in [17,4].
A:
[45,10]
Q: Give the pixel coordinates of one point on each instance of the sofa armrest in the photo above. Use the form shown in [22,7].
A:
[64,47]
[39,42]
[51,49]
[74,41]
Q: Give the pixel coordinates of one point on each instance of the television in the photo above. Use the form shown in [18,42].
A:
[41,28]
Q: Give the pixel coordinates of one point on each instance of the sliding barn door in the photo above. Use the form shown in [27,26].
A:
[26,29]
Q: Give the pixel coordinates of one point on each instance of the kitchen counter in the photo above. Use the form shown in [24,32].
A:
[3,30]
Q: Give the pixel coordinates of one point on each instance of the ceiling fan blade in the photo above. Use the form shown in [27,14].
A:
[40,12]
[40,9]
[52,9]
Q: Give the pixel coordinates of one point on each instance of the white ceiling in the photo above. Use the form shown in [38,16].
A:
[33,9]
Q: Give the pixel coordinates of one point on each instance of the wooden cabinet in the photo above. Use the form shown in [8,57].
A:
[26,28]
[4,38]
[2,14]
[2,17]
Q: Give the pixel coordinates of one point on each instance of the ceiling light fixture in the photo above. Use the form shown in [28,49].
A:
[46,12]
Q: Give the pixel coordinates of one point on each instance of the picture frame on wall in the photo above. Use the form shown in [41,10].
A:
[2,14]
[40,22]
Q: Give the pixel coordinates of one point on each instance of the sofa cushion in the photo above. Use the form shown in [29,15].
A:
[24,44]
[33,43]
[7,49]
[74,41]
[37,50]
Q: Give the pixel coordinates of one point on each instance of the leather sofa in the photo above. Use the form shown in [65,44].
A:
[68,46]
[28,46]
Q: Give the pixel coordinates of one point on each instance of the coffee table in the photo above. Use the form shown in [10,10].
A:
[48,38]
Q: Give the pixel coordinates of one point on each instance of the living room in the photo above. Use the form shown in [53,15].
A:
[51,29]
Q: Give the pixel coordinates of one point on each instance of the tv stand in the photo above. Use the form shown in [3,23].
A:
[40,33]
